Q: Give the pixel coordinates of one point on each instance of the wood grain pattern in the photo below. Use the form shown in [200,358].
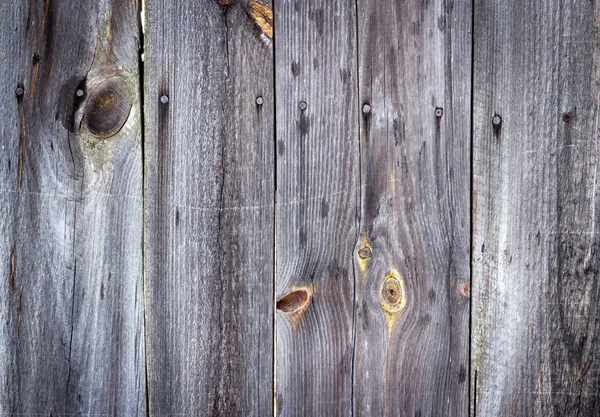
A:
[70,210]
[209,210]
[535,238]
[317,204]
[412,261]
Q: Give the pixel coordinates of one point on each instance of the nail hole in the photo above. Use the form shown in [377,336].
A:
[293,301]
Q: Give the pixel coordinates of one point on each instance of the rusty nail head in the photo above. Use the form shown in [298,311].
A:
[259,100]
[439,112]
[496,120]
[80,93]
[302,105]
[566,117]
[164,99]
[19,91]
[366,108]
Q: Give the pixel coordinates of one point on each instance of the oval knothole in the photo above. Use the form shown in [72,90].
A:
[107,108]
[294,301]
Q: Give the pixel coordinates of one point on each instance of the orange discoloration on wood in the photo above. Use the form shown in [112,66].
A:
[293,304]
[465,289]
[262,16]
[38,48]
[393,298]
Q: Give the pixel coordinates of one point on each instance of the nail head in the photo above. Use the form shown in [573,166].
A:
[496,120]
[566,117]
[80,93]
[19,91]
[259,100]
[366,109]
[302,105]
[439,112]
[164,99]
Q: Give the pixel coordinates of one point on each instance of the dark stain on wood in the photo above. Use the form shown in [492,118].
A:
[107,108]
[295,68]
[13,266]
[68,102]
[294,301]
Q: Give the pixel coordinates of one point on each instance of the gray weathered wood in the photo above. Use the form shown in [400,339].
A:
[536,264]
[317,206]
[71,335]
[209,209]
[412,261]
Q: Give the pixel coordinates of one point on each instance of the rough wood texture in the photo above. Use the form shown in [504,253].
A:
[70,210]
[536,283]
[209,210]
[317,205]
[412,261]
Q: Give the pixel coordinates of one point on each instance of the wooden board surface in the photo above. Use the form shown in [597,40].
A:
[318,175]
[209,210]
[210,207]
[412,260]
[535,209]
[71,329]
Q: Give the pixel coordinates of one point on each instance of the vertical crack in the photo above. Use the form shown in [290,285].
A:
[472,395]
[274,253]
[141,46]
[72,303]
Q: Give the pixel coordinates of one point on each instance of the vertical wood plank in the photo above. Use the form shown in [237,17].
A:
[317,205]
[209,208]
[536,265]
[413,256]
[71,329]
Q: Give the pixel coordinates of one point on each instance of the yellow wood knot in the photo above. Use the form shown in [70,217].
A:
[365,252]
[393,297]
[294,304]
[262,16]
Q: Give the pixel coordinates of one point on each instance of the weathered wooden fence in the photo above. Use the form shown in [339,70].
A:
[306,208]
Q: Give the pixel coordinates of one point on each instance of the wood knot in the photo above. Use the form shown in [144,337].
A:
[465,289]
[393,297]
[294,301]
[365,252]
[262,16]
[107,108]
[392,291]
